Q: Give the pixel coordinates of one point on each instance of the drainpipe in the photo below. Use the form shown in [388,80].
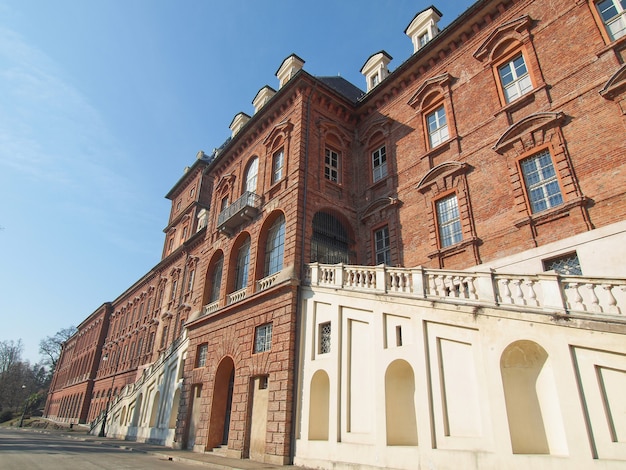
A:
[296,373]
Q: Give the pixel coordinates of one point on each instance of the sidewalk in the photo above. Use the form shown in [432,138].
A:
[209,459]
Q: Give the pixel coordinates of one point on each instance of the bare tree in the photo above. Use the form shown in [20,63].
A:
[10,354]
[50,346]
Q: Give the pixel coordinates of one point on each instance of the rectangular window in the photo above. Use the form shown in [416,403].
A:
[613,13]
[437,126]
[263,338]
[190,279]
[382,245]
[374,81]
[568,265]
[515,78]
[541,181]
[331,166]
[173,292]
[398,335]
[203,350]
[423,39]
[379,163]
[324,335]
[278,162]
[449,221]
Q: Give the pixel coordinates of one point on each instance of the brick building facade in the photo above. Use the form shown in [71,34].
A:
[498,144]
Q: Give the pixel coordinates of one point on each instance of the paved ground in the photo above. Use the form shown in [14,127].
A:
[184,456]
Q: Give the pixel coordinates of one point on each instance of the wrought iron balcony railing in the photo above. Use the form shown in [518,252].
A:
[241,211]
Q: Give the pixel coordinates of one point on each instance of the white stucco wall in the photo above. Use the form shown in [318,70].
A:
[467,387]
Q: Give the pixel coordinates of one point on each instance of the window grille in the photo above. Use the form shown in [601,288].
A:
[330,242]
[324,346]
[568,265]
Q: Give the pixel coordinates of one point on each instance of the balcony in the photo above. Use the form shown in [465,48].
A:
[546,292]
[239,212]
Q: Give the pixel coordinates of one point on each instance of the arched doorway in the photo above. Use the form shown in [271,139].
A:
[219,423]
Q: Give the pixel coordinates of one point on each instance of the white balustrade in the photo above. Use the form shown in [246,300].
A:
[236,296]
[546,292]
[266,282]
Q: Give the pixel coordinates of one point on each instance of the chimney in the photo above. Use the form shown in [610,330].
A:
[290,66]
[423,27]
[375,69]
[238,122]
[262,97]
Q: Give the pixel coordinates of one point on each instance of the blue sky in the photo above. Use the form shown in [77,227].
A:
[104,102]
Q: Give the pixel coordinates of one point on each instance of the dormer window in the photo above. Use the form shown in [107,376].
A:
[423,39]
[290,66]
[238,122]
[262,97]
[375,69]
[423,27]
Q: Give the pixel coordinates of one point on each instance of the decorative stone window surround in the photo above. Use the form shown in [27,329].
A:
[528,137]
[441,181]
[501,46]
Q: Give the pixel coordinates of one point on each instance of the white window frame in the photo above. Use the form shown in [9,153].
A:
[263,338]
[379,163]
[541,181]
[382,246]
[437,126]
[278,165]
[252,175]
[242,267]
[616,23]
[448,220]
[331,165]
[275,247]
[514,78]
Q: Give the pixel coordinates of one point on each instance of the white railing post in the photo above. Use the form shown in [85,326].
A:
[552,293]
[417,276]
[314,276]
[381,282]
[485,286]
[339,275]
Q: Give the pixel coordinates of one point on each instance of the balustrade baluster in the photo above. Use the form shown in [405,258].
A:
[613,308]
[595,303]
[532,295]
[519,293]
[506,292]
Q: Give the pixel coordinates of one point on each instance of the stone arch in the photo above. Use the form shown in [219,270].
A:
[532,403]
[213,278]
[219,421]
[155,410]
[174,412]
[319,407]
[400,412]
[332,238]
[238,267]
[262,249]
[123,417]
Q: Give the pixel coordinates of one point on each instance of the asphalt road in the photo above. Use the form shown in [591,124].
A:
[21,450]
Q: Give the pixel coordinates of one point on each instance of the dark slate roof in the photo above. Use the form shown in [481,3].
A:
[343,87]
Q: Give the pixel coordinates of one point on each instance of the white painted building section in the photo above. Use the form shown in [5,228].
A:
[147,410]
[430,369]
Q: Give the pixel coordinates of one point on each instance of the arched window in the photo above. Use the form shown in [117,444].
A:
[275,246]
[216,280]
[243,263]
[251,175]
[330,241]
